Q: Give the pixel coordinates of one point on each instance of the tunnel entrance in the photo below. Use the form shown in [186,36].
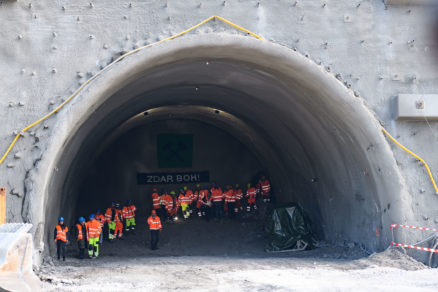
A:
[166,148]
[276,110]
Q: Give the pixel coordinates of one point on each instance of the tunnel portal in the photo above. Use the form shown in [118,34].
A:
[252,107]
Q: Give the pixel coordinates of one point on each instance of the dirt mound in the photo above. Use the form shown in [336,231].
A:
[394,259]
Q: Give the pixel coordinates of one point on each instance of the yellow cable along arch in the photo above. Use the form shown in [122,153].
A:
[162,41]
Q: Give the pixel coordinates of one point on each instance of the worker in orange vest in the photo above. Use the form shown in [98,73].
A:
[81,236]
[265,189]
[109,222]
[251,194]
[201,202]
[129,215]
[189,193]
[171,207]
[101,218]
[239,197]
[60,236]
[217,197]
[184,201]
[156,200]
[154,223]
[118,219]
[93,234]
[230,201]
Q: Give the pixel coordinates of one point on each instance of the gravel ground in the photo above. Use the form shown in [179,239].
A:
[229,256]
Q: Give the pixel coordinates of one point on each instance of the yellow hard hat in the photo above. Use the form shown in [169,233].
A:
[249,185]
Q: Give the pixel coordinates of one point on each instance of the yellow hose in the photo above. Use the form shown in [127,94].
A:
[162,41]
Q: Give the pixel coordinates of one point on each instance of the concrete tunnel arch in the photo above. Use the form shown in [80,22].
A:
[320,145]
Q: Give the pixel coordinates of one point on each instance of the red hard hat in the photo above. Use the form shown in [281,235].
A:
[154,212]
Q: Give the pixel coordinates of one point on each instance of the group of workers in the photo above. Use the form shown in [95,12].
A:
[213,202]
[89,234]
[210,202]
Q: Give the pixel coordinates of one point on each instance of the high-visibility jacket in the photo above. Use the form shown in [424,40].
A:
[230,196]
[190,195]
[217,195]
[101,218]
[239,194]
[251,192]
[156,201]
[93,229]
[154,223]
[168,202]
[79,228]
[266,187]
[129,212]
[118,215]
[61,234]
[108,215]
[202,195]
[184,199]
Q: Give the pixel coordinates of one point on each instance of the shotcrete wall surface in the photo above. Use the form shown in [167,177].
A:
[302,107]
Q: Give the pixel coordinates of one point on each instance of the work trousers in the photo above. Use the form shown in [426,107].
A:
[155,237]
[130,224]
[218,209]
[115,230]
[60,249]
[93,247]
[230,207]
[185,210]
[81,246]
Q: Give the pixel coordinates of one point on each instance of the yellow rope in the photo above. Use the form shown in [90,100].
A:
[108,66]
[162,41]
[415,155]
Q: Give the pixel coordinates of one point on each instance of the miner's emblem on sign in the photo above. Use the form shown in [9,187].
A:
[174,150]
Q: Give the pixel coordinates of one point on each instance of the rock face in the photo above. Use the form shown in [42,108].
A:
[301,102]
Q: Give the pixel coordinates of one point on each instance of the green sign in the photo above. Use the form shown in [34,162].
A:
[175,150]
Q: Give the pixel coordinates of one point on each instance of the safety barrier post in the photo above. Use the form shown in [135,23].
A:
[2,206]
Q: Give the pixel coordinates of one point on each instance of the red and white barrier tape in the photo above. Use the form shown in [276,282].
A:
[414,247]
[394,226]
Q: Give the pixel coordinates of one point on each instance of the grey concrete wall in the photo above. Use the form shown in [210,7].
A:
[49,49]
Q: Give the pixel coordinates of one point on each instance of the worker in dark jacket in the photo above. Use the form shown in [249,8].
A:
[81,236]
[60,236]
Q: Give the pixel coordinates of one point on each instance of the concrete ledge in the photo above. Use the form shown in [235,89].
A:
[410,2]
[417,107]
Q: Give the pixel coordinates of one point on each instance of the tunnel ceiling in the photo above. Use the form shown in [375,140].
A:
[309,131]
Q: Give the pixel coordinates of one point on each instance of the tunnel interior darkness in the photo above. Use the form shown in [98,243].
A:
[313,142]
[132,149]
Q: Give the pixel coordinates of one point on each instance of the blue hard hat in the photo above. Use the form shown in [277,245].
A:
[81,219]
[61,219]
[98,211]
[92,216]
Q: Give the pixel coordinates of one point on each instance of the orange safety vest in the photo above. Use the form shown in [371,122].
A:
[108,214]
[190,196]
[266,187]
[61,234]
[154,224]
[93,229]
[216,195]
[101,219]
[118,216]
[251,192]
[239,194]
[156,200]
[129,212]
[79,227]
[230,197]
